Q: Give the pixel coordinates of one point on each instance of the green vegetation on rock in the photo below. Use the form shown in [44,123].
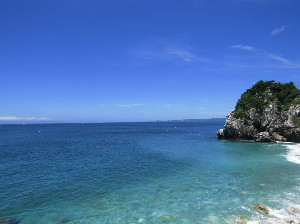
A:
[296,121]
[239,114]
[265,92]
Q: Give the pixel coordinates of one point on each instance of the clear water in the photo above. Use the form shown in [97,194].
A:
[141,173]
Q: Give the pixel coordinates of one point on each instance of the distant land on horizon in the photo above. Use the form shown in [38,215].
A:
[196,120]
[182,120]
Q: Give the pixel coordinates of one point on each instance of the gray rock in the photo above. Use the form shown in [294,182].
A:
[263,137]
[278,137]
[220,133]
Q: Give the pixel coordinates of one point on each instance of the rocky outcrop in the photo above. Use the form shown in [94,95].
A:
[262,137]
[268,123]
[261,208]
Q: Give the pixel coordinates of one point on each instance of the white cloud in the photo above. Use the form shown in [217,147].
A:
[243,47]
[184,55]
[13,118]
[265,53]
[177,106]
[164,106]
[180,53]
[278,58]
[129,105]
[278,30]
[171,53]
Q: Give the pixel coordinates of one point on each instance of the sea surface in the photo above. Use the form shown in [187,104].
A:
[149,173]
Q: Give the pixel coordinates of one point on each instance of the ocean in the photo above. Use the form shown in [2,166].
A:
[149,173]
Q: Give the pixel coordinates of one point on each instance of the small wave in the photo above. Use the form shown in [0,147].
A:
[279,216]
[293,155]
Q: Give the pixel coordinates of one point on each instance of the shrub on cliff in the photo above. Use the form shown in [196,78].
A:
[263,93]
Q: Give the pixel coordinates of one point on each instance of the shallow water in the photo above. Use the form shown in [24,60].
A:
[142,173]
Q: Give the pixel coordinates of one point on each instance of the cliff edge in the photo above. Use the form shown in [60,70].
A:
[269,111]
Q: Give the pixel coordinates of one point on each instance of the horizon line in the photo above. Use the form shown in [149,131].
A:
[107,122]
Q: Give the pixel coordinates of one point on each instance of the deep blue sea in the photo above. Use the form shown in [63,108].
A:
[149,173]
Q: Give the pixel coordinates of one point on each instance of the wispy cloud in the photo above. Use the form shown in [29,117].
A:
[165,106]
[13,118]
[261,52]
[243,47]
[173,106]
[278,30]
[278,58]
[171,53]
[184,54]
[129,105]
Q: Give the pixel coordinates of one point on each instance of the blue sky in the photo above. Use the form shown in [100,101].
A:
[140,60]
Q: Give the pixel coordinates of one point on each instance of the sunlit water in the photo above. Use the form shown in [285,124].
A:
[147,173]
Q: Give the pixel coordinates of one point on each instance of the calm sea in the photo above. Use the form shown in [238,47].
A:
[148,173]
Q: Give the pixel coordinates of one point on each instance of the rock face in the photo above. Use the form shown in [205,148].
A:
[267,112]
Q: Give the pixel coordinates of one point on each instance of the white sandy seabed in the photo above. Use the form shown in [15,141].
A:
[290,213]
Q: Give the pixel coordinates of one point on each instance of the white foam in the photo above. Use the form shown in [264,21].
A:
[293,155]
[282,215]
[277,217]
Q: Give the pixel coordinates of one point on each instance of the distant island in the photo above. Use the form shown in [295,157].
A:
[196,120]
[267,112]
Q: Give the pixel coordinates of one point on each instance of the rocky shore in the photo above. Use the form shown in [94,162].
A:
[267,112]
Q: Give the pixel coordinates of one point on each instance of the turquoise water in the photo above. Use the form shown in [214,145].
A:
[140,173]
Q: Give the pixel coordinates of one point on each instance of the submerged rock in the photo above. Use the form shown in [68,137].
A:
[169,218]
[267,112]
[9,221]
[261,207]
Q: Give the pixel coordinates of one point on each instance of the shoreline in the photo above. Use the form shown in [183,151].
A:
[290,212]
[293,154]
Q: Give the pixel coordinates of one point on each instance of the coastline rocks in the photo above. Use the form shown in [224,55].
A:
[261,207]
[269,127]
[262,137]
[9,221]
[278,137]
[240,129]
[267,112]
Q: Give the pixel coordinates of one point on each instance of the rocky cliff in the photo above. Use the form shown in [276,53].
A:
[269,111]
